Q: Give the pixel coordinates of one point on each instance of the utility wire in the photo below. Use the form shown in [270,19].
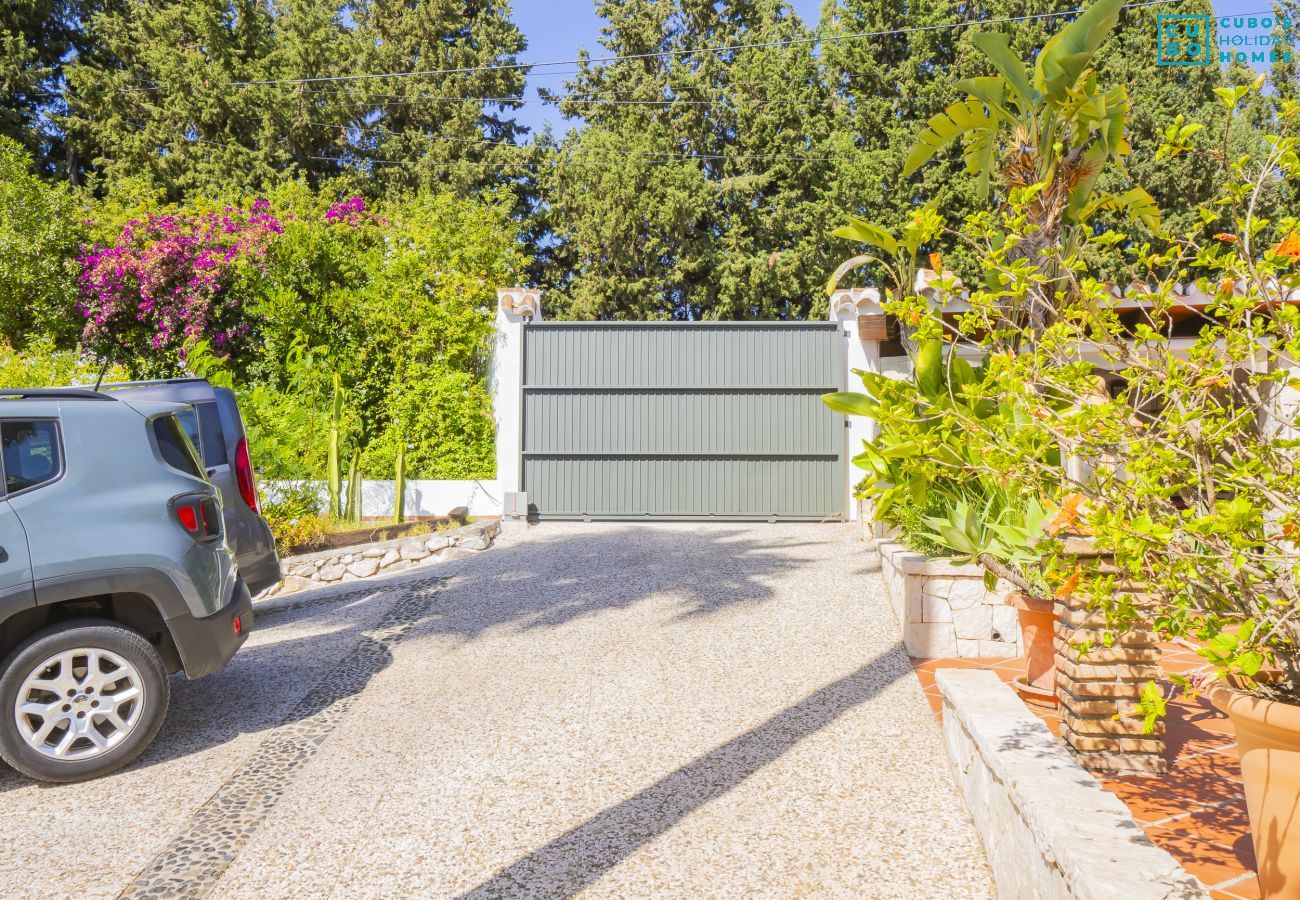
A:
[580,150]
[585,61]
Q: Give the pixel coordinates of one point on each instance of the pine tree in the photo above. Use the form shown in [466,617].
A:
[626,192]
[159,106]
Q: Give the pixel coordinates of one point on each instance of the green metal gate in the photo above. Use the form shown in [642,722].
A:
[683,420]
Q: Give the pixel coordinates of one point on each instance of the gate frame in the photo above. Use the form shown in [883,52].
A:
[517,306]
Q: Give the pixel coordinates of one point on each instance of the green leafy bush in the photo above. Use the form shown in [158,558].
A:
[40,234]
[293,512]
[41,364]
[396,299]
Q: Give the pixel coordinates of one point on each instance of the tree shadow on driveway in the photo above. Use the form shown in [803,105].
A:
[547,580]
[581,856]
[569,572]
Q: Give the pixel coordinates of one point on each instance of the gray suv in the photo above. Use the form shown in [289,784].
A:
[215,427]
[114,572]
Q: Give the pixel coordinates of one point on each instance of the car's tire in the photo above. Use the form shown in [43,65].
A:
[79,717]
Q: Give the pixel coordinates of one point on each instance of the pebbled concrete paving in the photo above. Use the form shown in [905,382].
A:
[616,710]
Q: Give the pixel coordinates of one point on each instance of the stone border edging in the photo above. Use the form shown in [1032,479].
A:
[1048,827]
[344,564]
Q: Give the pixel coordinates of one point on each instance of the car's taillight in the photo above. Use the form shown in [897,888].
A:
[199,515]
[244,474]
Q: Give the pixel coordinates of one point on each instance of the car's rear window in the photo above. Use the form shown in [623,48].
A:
[213,435]
[202,424]
[175,446]
[31,453]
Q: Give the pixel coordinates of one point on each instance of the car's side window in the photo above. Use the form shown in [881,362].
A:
[32,455]
[175,447]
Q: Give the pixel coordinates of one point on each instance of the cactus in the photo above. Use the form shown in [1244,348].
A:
[352,511]
[399,485]
[334,474]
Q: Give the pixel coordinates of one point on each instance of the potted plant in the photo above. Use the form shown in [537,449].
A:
[1188,464]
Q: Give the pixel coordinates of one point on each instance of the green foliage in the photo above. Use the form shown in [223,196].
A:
[702,192]
[1181,459]
[41,364]
[928,481]
[40,233]
[293,512]
[176,95]
[396,303]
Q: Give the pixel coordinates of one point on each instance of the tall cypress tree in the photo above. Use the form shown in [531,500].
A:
[425,122]
[695,189]
[192,96]
[36,38]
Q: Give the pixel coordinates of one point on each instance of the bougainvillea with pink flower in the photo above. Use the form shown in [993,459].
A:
[168,280]
[351,211]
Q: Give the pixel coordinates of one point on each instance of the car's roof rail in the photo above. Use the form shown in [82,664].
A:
[54,393]
[186,379]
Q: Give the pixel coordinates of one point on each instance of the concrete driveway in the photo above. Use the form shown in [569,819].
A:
[669,710]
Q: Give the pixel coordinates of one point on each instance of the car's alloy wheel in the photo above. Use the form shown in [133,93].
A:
[79,703]
[80,699]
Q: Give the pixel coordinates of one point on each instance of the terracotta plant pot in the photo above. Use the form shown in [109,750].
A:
[1268,741]
[1037,628]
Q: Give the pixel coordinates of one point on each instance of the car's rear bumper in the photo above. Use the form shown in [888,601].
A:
[260,572]
[255,554]
[207,644]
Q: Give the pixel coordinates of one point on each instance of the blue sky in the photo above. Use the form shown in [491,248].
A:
[556,29]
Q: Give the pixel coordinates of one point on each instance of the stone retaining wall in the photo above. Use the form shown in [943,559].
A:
[343,564]
[945,610]
[1049,829]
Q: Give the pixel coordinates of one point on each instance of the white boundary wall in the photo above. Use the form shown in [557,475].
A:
[423,497]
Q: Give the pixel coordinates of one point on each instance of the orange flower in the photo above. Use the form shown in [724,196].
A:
[1226,238]
[914,318]
[1067,587]
[1067,515]
[1227,286]
[1291,531]
[936,261]
[1290,247]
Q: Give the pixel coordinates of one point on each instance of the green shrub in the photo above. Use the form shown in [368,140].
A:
[40,234]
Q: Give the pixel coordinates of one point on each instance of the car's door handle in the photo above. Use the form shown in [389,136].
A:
[4,555]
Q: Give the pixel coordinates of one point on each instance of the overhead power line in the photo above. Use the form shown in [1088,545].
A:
[661,54]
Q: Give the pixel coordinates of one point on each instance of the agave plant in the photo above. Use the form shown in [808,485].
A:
[998,532]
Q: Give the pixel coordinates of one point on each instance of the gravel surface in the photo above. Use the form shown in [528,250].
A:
[617,710]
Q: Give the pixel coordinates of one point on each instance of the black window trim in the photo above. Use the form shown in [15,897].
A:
[5,493]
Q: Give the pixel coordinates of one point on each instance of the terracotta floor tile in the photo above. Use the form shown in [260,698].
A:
[1223,825]
[1147,805]
[1210,862]
[1243,889]
[1212,766]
